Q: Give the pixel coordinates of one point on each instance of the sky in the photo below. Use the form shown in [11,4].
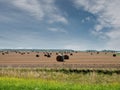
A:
[60,24]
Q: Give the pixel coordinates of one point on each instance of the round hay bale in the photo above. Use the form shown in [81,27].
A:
[22,53]
[48,55]
[3,53]
[66,57]
[60,58]
[91,53]
[45,55]
[71,54]
[114,55]
[98,52]
[37,55]
[56,53]
[6,52]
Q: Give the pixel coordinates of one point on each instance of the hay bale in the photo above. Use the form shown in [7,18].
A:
[71,54]
[45,55]
[91,53]
[98,52]
[76,52]
[60,58]
[66,57]
[56,53]
[3,53]
[6,52]
[105,53]
[48,55]
[37,55]
[22,53]
[114,55]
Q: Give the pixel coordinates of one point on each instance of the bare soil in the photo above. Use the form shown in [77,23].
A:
[77,60]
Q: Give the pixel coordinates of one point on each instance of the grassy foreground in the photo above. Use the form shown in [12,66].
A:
[38,79]
[40,84]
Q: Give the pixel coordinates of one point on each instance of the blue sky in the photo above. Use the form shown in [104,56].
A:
[60,24]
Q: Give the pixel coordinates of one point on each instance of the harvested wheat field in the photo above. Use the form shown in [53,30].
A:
[75,60]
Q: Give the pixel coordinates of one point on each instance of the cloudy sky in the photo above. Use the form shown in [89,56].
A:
[60,24]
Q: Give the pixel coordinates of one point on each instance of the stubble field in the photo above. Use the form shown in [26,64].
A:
[77,60]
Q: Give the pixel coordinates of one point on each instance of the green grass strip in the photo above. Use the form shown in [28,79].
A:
[7,83]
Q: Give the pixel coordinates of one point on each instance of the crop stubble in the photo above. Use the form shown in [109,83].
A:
[78,60]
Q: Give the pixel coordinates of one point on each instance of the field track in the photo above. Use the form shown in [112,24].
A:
[78,60]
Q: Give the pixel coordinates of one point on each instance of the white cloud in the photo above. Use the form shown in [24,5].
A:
[114,41]
[31,6]
[98,27]
[57,18]
[114,34]
[93,6]
[108,16]
[41,9]
[85,19]
[57,30]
